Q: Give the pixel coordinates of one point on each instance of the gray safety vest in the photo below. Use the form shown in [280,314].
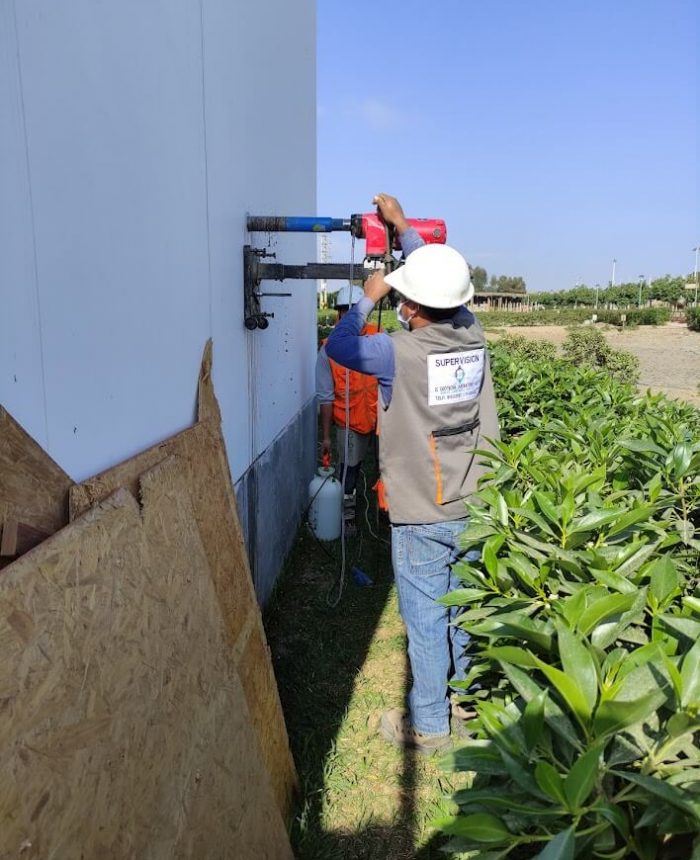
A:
[428,433]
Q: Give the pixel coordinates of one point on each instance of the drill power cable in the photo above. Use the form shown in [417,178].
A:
[333,602]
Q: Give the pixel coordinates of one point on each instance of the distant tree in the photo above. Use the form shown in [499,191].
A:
[479,278]
[510,284]
[666,289]
[581,295]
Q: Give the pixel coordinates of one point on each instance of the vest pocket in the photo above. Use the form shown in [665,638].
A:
[453,454]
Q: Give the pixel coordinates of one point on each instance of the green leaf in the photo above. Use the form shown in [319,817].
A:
[687,628]
[536,518]
[680,459]
[636,559]
[572,607]
[631,518]
[561,847]
[618,627]
[673,674]
[677,725]
[685,529]
[612,716]
[690,677]
[469,797]
[549,780]
[554,716]
[463,596]
[480,826]
[477,757]
[616,816]
[501,509]
[615,604]
[511,654]
[593,521]
[641,446]
[579,665]
[613,580]
[519,772]
[522,443]
[663,578]
[568,690]
[548,508]
[581,778]
[475,532]
[490,554]
[523,568]
[533,719]
[515,625]
[672,795]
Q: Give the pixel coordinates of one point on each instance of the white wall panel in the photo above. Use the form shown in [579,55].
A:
[261,144]
[21,384]
[151,129]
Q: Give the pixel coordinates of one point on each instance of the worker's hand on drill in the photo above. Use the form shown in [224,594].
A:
[391,211]
[376,287]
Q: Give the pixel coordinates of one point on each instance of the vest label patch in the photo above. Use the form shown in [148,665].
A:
[454,377]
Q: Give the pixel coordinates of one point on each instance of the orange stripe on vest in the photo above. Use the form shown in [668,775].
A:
[438,472]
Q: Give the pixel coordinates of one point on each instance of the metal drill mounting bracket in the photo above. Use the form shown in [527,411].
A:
[256,270]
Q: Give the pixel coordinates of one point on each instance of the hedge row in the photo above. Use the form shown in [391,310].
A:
[563,316]
[582,601]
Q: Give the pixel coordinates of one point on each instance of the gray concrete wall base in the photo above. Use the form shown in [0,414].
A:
[272,497]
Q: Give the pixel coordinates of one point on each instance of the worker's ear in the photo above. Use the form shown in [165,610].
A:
[412,306]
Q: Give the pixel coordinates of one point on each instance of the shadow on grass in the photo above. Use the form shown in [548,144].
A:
[318,652]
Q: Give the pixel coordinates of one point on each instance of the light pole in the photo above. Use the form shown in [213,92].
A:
[613,272]
[696,249]
[641,283]
[597,287]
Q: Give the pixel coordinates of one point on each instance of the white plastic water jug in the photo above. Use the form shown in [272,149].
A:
[325,504]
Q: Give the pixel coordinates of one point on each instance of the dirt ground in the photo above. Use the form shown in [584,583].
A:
[669,356]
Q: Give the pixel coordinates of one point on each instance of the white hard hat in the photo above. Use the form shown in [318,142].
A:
[348,295]
[434,275]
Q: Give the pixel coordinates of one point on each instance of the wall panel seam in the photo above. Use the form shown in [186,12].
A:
[35,256]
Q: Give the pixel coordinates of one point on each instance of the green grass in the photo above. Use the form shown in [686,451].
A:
[337,670]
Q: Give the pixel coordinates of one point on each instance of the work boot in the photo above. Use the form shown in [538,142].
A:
[395,727]
[461,715]
[461,710]
[349,507]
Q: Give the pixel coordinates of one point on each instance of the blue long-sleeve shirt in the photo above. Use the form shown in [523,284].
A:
[374,354]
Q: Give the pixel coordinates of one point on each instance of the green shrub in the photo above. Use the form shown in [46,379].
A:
[586,345]
[523,347]
[584,611]
[636,316]
[564,316]
[692,316]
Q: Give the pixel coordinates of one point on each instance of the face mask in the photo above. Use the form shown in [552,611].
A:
[404,323]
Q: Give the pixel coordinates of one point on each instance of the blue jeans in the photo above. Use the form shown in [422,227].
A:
[423,556]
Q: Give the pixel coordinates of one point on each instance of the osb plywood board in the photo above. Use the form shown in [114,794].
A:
[125,731]
[201,453]
[33,489]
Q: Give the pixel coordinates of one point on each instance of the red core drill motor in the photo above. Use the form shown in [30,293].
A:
[381,239]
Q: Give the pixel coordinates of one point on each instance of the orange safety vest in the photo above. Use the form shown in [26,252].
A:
[363,394]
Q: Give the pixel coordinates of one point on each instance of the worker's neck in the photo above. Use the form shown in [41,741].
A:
[419,321]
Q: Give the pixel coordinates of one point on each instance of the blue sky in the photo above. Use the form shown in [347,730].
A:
[551,135]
